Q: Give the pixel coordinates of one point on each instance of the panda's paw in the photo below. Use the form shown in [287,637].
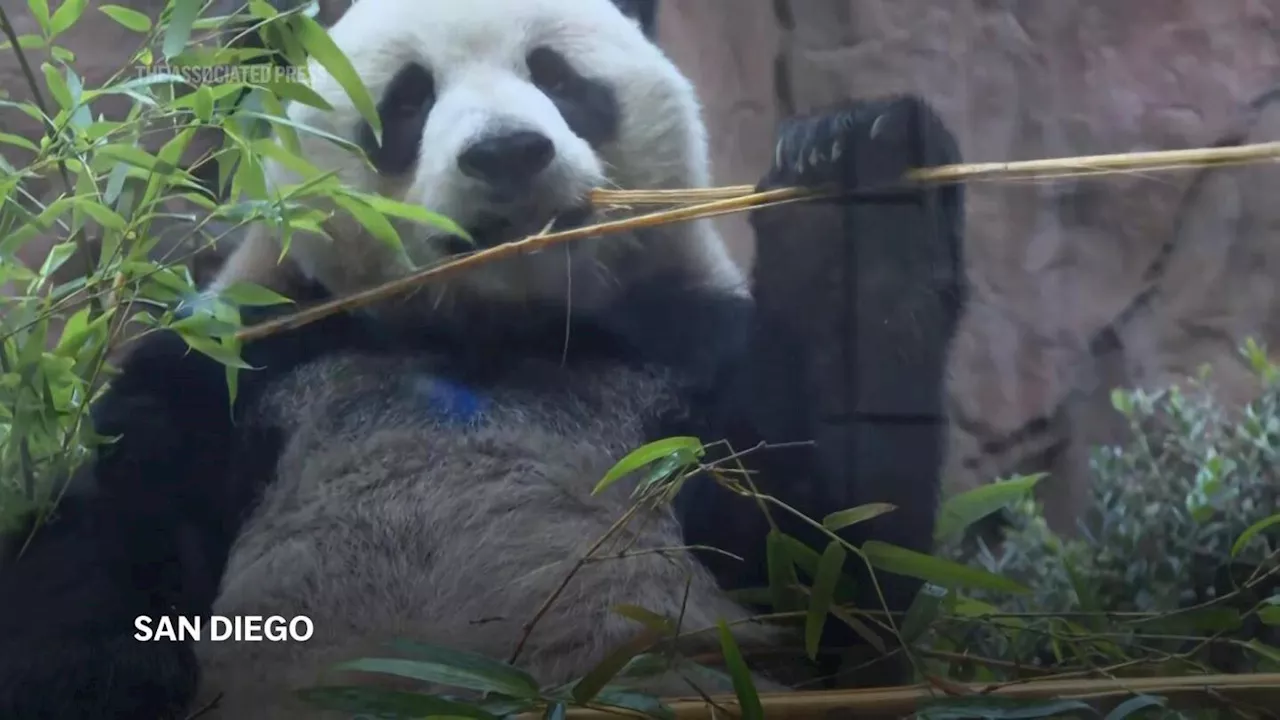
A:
[862,144]
[894,244]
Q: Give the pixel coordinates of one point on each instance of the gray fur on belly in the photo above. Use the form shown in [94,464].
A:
[392,521]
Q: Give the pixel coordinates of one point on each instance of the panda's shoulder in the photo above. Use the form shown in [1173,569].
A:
[168,383]
[678,320]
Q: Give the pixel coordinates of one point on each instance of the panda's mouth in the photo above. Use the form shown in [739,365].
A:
[495,230]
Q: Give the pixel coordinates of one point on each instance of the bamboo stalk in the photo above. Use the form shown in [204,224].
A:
[1046,169]
[710,202]
[529,244]
[1158,160]
[1260,689]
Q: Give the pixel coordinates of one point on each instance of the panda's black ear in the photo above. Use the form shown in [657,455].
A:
[331,11]
[644,12]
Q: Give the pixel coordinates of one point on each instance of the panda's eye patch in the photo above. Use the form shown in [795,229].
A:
[403,110]
[549,70]
[589,106]
[409,91]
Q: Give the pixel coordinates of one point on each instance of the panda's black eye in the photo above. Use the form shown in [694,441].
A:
[548,70]
[412,89]
[403,110]
[589,106]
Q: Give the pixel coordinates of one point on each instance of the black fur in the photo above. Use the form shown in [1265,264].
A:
[153,537]
[644,12]
[589,106]
[403,111]
[857,303]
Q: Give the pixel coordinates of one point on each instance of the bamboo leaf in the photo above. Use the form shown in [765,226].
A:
[228,356]
[688,447]
[902,561]
[647,618]
[178,33]
[321,47]
[127,18]
[416,213]
[40,11]
[249,295]
[1134,704]
[839,520]
[923,611]
[586,689]
[743,685]
[57,86]
[65,16]
[961,511]
[648,705]
[783,581]
[822,595]
[465,669]
[1253,531]
[374,222]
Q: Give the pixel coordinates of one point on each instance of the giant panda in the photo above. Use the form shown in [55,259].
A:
[423,469]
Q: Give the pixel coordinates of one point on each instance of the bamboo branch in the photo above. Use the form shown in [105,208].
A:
[1047,169]
[1260,689]
[530,244]
[710,202]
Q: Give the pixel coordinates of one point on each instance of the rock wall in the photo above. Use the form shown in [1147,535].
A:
[1053,264]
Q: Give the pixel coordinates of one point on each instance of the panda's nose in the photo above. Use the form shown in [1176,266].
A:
[508,160]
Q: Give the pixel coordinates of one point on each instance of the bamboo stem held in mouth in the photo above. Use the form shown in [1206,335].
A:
[711,202]
[530,244]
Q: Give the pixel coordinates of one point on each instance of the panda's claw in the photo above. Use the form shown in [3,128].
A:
[866,145]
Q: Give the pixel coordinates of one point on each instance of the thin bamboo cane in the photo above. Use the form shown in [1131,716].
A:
[1262,690]
[1046,169]
[529,244]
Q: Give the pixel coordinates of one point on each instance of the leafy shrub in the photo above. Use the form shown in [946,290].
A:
[119,186]
[1174,548]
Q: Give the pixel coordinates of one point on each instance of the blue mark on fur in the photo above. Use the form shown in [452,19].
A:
[450,402]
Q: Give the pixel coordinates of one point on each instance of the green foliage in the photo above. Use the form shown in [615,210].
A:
[116,181]
[1173,569]
[669,454]
[743,685]
[113,188]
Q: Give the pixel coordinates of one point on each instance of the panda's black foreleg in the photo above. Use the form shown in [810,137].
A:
[142,532]
[68,606]
[145,530]
[871,289]
[857,303]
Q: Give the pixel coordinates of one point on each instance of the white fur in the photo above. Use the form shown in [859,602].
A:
[476,51]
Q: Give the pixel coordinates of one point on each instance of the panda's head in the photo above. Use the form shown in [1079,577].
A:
[503,115]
